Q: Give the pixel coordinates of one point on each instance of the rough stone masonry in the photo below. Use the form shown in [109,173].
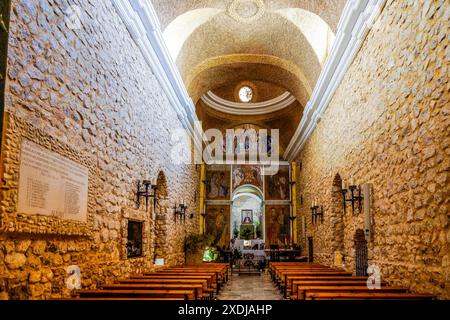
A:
[88,94]
[388,124]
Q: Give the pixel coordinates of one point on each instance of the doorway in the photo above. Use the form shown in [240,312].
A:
[310,249]
[361,256]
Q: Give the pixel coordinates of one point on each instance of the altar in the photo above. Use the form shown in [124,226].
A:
[255,247]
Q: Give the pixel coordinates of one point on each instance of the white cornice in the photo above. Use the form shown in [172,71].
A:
[357,19]
[230,107]
[143,25]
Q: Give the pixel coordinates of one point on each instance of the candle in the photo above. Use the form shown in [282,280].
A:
[153,181]
[344,184]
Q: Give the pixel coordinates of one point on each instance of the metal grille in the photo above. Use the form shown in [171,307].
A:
[361,259]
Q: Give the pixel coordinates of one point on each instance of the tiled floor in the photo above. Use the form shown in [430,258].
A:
[251,287]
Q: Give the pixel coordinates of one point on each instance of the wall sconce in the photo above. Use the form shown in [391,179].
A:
[316,212]
[355,195]
[180,211]
[149,185]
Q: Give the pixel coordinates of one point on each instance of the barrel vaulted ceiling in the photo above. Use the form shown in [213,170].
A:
[278,46]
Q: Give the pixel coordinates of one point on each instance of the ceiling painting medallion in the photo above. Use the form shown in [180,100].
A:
[247,11]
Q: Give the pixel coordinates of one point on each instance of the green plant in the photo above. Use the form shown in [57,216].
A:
[193,243]
[247,232]
[235,231]
[210,254]
[236,255]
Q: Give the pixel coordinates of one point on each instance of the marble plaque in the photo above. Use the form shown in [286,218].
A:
[51,184]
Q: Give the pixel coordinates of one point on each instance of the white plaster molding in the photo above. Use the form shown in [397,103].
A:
[230,107]
[143,25]
[356,21]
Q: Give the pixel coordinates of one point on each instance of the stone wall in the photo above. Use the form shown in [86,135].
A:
[87,93]
[388,125]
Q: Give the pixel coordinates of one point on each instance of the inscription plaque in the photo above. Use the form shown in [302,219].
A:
[51,184]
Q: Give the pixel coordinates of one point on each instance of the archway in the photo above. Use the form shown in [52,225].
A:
[361,255]
[247,219]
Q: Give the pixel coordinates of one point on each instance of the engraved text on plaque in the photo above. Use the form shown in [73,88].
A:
[51,184]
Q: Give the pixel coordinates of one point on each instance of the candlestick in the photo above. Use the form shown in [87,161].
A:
[344,185]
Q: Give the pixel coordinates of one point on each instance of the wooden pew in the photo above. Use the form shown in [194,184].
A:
[198,288]
[220,274]
[366,296]
[330,288]
[211,285]
[168,283]
[283,284]
[186,294]
[294,281]
[119,299]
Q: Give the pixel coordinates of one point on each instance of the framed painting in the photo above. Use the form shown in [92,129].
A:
[247,174]
[278,231]
[217,224]
[277,186]
[218,185]
[247,216]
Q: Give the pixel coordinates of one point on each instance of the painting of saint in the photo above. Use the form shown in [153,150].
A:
[218,224]
[277,186]
[218,184]
[277,225]
[247,174]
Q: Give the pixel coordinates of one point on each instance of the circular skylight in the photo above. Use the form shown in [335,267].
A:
[245,94]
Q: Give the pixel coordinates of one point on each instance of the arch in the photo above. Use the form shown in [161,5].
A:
[221,70]
[253,198]
[161,220]
[179,30]
[314,28]
[336,214]
[248,189]
[161,181]
[361,253]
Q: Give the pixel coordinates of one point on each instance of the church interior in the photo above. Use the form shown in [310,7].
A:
[225,150]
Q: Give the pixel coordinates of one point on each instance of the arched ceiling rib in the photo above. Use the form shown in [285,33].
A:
[219,71]
[222,36]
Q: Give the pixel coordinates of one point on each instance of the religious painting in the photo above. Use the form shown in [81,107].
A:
[277,225]
[277,185]
[247,174]
[247,216]
[218,185]
[217,224]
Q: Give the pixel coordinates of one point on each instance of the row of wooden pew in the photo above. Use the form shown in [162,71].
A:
[311,281]
[187,282]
